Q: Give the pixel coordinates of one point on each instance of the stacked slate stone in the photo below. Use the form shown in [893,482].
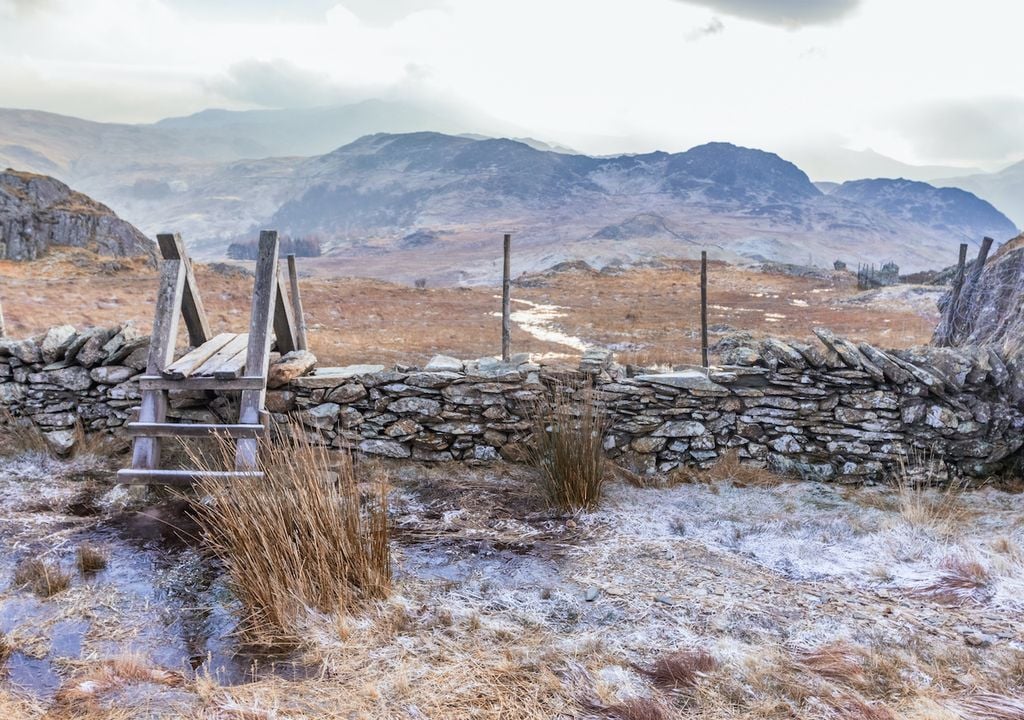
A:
[837,409]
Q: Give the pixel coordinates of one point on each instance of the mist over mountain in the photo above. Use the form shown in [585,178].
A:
[217,176]
[1004,189]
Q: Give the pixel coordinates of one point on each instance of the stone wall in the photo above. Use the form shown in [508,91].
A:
[834,410]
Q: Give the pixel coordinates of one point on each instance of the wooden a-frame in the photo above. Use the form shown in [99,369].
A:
[223,362]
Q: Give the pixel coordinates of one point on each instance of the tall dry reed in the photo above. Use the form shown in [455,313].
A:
[567,448]
[301,540]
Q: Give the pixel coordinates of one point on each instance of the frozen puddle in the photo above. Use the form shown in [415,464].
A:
[536,319]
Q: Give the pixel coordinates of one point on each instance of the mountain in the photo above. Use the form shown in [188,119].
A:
[1004,189]
[947,210]
[38,213]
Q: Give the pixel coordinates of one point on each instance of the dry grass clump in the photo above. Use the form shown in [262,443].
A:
[81,696]
[960,580]
[681,669]
[729,467]
[639,708]
[300,539]
[6,649]
[42,578]
[987,706]
[20,436]
[919,499]
[837,661]
[567,448]
[90,559]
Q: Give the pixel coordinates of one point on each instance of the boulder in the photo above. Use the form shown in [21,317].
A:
[56,341]
[290,366]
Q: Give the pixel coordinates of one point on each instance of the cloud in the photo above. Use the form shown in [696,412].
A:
[278,83]
[787,13]
[715,27]
[381,13]
[987,130]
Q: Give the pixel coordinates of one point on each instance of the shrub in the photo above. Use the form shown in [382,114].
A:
[300,539]
[567,448]
[681,669]
[41,577]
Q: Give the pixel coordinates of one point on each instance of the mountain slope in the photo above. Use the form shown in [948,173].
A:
[946,209]
[1004,189]
[38,213]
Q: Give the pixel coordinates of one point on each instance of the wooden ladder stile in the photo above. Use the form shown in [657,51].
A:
[224,362]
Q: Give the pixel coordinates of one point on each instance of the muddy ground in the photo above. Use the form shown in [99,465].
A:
[811,601]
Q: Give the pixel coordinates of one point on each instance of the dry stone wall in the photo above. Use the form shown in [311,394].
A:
[834,410]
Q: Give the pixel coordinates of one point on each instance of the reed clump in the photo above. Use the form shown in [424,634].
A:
[567,448]
[301,540]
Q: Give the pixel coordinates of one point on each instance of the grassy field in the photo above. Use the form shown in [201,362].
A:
[648,315]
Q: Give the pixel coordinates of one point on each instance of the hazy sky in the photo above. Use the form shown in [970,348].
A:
[926,81]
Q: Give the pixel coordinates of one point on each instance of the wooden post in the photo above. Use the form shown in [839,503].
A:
[300,318]
[264,297]
[704,308]
[506,302]
[3,328]
[172,248]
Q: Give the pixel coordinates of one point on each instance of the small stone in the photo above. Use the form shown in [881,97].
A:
[664,600]
[591,594]
[290,366]
[56,342]
[444,363]
[62,442]
[348,393]
[112,374]
[387,448]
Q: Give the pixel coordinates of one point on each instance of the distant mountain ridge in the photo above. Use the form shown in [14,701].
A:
[365,196]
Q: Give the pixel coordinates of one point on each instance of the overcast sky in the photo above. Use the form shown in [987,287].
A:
[925,81]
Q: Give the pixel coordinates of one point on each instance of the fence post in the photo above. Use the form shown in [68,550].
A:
[704,308]
[297,313]
[3,329]
[506,302]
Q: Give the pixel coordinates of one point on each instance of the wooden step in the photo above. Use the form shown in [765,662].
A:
[140,429]
[156,382]
[182,477]
[188,363]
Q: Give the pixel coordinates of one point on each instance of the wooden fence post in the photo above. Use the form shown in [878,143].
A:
[299,316]
[3,328]
[506,302]
[704,308]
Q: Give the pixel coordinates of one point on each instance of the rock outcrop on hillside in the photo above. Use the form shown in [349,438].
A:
[988,310]
[38,212]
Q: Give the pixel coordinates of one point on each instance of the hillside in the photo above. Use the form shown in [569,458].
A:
[1004,189]
[38,213]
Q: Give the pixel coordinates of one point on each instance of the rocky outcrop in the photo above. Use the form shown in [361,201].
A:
[38,212]
[837,410]
[988,311]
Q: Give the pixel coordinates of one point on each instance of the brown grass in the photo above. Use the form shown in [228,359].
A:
[20,435]
[567,448]
[959,580]
[681,669]
[729,467]
[837,661]
[926,497]
[301,538]
[43,578]
[361,320]
[987,706]
[90,559]
[632,709]
[6,649]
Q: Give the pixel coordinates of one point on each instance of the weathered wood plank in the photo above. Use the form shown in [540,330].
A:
[506,300]
[236,345]
[194,430]
[153,408]
[173,248]
[188,363]
[234,366]
[264,295]
[181,477]
[147,382]
[302,342]
[284,325]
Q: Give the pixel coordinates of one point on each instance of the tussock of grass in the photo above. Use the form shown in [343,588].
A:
[568,448]
[730,467]
[20,436]
[632,709]
[300,539]
[992,707]
[920,500]
[681,669]
[90,559]
[42,578]
[837,661]
[959,580]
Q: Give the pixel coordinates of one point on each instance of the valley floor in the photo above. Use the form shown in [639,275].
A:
[764,600]
[647,315]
